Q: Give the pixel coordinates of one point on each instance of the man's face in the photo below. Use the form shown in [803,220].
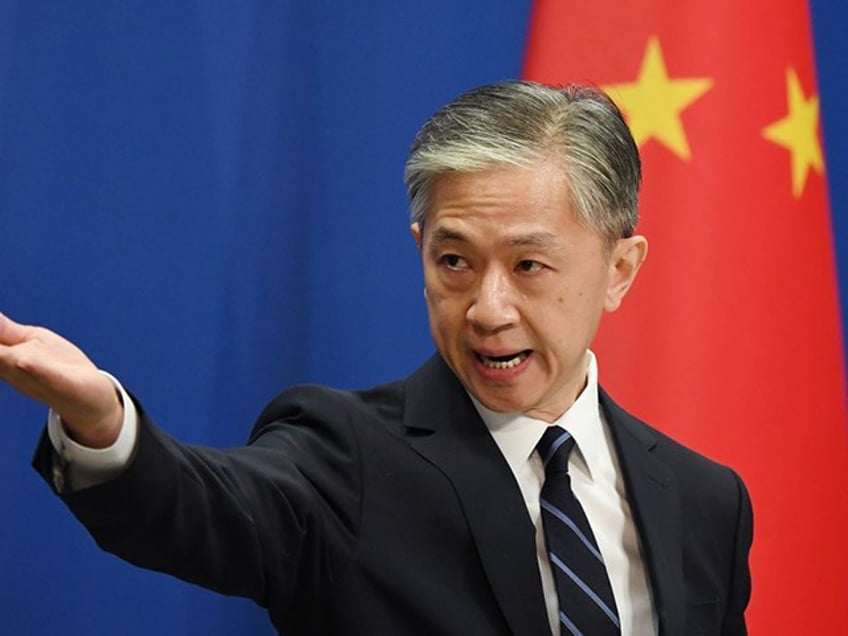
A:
[516,286]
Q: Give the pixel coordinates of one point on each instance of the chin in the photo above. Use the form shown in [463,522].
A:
[500,404]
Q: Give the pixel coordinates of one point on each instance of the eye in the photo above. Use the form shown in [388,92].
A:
[529,267]
[453,261]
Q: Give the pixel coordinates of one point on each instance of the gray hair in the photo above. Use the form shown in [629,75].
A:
[518,123]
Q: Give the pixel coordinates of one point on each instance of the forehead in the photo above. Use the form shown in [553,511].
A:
[520,205]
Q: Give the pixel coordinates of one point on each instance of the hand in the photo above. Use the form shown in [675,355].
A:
[44,366]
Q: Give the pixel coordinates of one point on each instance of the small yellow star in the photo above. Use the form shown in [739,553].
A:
[798,133]
[654,102]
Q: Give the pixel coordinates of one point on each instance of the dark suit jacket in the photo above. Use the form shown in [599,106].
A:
[392,511]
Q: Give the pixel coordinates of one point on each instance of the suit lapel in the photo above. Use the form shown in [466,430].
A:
[655,501]
[445,429]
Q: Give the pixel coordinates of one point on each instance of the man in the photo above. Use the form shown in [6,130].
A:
[419,507]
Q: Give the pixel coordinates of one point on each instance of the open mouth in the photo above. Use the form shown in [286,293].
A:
[504,362]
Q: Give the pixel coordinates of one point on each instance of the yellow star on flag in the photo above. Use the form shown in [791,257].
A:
[654,102]
[798,133]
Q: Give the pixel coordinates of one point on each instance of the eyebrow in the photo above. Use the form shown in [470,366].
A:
[543,240]
[442,234]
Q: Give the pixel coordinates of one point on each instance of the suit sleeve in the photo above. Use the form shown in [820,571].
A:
[273,521]
[740,585]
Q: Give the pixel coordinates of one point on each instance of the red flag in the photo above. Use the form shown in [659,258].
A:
[730,340]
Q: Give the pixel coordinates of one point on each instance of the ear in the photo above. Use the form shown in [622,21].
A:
[626,259]
[415,228]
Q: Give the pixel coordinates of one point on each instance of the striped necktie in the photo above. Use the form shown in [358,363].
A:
[586,603]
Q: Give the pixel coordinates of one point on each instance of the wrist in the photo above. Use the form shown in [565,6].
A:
[97,430]
[99,434]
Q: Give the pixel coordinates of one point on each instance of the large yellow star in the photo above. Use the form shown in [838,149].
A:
[654,102]
[798,132]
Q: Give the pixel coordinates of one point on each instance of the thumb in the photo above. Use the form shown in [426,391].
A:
[11,332]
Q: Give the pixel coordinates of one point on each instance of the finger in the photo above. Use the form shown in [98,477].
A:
[11,332]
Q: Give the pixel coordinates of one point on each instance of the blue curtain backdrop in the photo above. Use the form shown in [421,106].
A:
[207,197]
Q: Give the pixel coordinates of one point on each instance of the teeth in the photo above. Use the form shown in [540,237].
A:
[504,364]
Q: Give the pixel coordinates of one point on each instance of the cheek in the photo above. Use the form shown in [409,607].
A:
[447,315]
[561,319]
[440,308]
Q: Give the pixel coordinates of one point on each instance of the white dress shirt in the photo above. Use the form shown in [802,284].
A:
[595,478]
[599,487]
[79,466]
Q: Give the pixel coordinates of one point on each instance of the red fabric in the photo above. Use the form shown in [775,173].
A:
[730,339]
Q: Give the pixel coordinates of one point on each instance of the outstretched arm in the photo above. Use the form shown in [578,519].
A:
[44,366]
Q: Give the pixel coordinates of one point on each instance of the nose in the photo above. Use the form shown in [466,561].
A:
[493,307]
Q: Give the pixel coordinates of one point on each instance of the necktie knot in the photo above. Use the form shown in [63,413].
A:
[554,448]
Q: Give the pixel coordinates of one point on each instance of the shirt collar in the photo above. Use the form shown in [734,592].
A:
[517,434]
